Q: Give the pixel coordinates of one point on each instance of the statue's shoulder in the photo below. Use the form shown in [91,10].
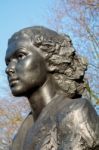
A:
[79,104]
[63,104]
[70,105]
[82,109]
[82,119]
[84,106]
[19,138]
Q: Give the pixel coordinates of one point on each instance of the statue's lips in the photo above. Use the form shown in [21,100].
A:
[13,81]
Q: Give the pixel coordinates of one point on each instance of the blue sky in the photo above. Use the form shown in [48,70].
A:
[15,15]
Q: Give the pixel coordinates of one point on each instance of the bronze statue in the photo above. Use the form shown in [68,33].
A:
[43,66]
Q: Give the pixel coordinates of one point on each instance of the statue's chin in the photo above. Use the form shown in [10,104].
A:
[16,91]
[17,94]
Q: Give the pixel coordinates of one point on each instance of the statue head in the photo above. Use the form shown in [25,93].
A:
[34,53]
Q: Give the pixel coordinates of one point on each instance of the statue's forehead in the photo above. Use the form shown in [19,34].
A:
[16,45]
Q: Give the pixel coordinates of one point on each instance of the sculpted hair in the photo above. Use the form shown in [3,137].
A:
[63,63]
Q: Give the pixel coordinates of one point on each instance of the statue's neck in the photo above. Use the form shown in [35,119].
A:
[41,97]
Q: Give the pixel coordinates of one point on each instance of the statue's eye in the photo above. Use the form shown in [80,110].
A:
[20,55]
[7,62]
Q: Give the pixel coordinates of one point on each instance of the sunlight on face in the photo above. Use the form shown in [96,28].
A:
[26,68]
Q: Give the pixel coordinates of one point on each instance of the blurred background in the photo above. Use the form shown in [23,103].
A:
[78,19]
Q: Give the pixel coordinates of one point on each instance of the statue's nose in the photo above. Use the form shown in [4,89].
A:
[10,69]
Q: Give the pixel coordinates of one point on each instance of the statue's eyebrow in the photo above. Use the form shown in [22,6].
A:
[10,55]
[20,49]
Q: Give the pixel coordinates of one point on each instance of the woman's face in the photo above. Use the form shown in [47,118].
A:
[26,69]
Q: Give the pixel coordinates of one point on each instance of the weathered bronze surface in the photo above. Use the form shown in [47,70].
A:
[43,66]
